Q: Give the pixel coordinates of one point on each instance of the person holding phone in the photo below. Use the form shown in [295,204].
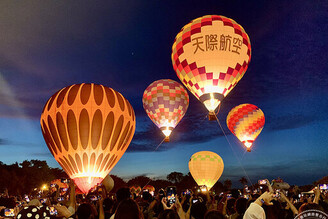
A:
[70,210]
[255,210]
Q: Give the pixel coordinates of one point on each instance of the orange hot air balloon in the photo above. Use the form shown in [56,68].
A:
[165,102]
[246,122]
[135,189]
[87,128]
[150,188]
[206,168]
[210,55]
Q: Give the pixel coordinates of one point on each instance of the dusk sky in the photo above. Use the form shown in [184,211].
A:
[126,45]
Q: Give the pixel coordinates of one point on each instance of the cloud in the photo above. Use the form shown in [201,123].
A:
[290,121]
[4,142]
[42,154]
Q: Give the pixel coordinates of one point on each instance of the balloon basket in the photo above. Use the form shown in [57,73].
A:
[167,139]
[211,117]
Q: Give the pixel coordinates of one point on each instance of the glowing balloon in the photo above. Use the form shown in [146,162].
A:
[150,188]
[206,168]
[135,189]
[165,102]
[108,182]
[246,122]
[210,55]
[87,128]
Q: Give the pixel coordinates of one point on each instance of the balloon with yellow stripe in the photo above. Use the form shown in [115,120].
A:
[246,122]
[206,168]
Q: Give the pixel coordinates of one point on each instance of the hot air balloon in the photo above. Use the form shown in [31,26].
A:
[246,122]
[206,168]
[150,188]
[135,189]
[165,102]
[210,55]
[108,182]
[87,128]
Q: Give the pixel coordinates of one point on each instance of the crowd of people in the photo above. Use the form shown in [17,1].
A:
[196,203]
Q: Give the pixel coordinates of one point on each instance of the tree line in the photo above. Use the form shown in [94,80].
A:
[23,178]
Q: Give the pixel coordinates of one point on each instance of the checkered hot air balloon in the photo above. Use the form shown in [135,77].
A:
[87,128]
[165,102]
[246,122]
[206,168]
[210,55]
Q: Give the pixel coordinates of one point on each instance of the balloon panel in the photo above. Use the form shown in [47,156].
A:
[206,168]
[135,189]
[87,128]
[246,121]
[149,188]
[108,182]
[165,102]
[210,55]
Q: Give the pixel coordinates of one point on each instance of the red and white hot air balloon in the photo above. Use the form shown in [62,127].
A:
[210,55]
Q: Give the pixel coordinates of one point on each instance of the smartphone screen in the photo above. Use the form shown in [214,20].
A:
[170,194]
[277,194]
[262,182]
[93,198]
[60,199]
[187,192]
[203,188]
[43,200]
[171,200]
[52,210]
[323,186]
[64,189]
[9,212]
[64,180]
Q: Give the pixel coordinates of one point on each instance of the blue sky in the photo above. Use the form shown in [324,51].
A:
[126,45]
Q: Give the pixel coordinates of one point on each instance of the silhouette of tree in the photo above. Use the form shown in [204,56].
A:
[227,184]
[118,183]
[243,181]
[218,187]
[24,177]
[175,177]
[140,181]
[160,184]
[187,182]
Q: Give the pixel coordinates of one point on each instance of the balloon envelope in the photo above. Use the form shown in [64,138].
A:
[246,122]
[206,168]
[165,102]
[108,182]
[210,55]
[87,128]
[150,188]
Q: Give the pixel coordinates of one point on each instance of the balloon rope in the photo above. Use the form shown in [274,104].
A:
[233,150]
[159,144]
